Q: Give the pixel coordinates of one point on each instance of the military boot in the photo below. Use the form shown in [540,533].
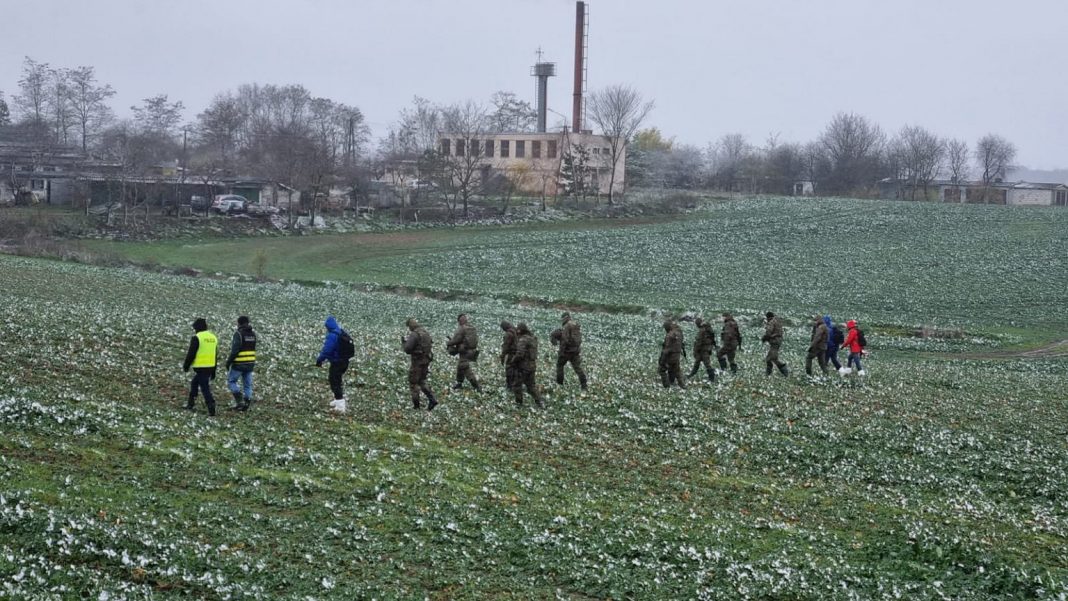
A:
[711,374]
[693,372]
[767,370]
[432,402]
[734,369]
[784,370]
[582,382]
[475,385]
[723,363]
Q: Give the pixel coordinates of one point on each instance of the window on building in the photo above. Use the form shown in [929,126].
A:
[596,150]
[606,151]
[37,184]
[446,147]
[489,148]
[550,150]
[459,148]
[520,149]
[535,149]
[504,148]
[473,148]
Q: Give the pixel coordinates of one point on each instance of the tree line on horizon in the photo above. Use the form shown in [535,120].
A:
[285,133]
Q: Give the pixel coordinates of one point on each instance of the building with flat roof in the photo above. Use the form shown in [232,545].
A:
[534,162]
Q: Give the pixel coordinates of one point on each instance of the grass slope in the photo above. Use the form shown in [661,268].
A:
[998,270]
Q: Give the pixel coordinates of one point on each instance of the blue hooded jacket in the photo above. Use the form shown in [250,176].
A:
[832,342]
[330,350]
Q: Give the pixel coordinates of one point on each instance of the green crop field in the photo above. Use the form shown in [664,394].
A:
[941,475]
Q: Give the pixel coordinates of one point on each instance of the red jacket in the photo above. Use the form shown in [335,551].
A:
[852,341]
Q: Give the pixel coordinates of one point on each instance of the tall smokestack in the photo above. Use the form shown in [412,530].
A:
[580,39]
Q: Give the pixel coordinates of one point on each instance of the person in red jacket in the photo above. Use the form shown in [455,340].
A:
[852,342]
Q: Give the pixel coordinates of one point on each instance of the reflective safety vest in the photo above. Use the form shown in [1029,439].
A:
[247,354]
[206,346]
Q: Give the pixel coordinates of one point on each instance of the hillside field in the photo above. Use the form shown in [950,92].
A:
[942,474]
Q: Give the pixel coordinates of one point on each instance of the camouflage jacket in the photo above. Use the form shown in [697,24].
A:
[419,345]
[464,339]
[571,337]
[773,331]
[526,352]
[819,338]
[730,338]
[508,346]
[705,342]
[672,346]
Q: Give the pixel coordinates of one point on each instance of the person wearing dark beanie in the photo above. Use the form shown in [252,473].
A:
[201,357]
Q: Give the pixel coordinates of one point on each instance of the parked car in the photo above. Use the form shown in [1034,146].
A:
[229,204]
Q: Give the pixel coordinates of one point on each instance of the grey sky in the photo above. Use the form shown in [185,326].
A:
[962,68]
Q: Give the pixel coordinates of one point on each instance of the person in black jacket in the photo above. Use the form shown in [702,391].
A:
[201,357]
[241,363]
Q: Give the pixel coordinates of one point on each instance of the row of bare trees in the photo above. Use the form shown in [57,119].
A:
[848,158]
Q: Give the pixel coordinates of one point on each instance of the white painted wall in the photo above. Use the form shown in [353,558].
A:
[1024,196]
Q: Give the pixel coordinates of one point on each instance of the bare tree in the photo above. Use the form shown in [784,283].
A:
[88,102]
[60,109]
[619,111]
[218,127]
[510,114]
[957,159]
[853,145]
[467,123]
[157,115]
[726,159]
[5,112]
[994,156]
[920,156]
[32,101]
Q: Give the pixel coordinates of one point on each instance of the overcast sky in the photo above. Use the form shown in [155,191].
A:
[962,68]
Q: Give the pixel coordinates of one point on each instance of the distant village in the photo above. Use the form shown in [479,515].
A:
[278,148]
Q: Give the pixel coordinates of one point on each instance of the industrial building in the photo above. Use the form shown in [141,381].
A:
[545,162]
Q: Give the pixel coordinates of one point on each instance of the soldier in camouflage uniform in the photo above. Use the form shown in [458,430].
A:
[817,348]
[525,363]
[730,341]
[419,347]
[671,352]
[773,336]
[570,342]
[507,350]
[464,344]
[703,346]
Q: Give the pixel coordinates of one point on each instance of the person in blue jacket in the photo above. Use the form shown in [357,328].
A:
[332,353]
[834,342]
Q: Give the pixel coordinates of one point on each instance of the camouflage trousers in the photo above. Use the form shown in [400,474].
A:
[465,371]
[725,354]
[575,359]
[525,379]
[772,359]
[820,356]
[671,371]
[418,373]
[706,360]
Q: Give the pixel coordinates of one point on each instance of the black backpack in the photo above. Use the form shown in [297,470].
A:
[836,336]
[346,348]
[861,339]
